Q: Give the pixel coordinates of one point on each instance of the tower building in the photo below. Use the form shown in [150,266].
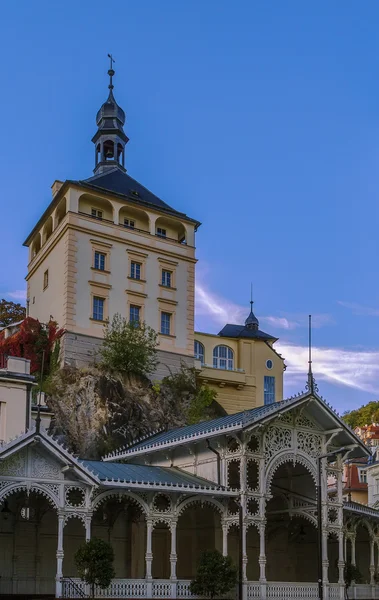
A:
[107,245]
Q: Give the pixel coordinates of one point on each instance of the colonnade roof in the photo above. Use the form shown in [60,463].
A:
[171,477]
[320,410]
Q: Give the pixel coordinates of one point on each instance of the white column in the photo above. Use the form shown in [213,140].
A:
[244,553]
[224,539]
[88,528]
[325,563]
[372,562]
[353,559]
[173,560]
[60,555]
[173,554]
[149,549]
[262,560]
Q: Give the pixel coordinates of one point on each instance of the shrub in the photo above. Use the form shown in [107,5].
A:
[216,575]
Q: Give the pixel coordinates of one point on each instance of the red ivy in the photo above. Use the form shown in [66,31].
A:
[30,341]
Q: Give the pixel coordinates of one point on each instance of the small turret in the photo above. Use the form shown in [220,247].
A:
[110,139]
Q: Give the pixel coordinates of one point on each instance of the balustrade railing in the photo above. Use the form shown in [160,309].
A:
[165,588]
[292,591]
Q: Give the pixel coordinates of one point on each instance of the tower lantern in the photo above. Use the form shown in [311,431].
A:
[110,139]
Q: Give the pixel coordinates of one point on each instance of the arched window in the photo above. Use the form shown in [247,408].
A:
[199,351]
[223,358]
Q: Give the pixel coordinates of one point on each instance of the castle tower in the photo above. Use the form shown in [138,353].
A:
[107,245]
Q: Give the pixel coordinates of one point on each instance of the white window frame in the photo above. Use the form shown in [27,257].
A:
[199,355]
[169,315]
[129,223]
[138,268]
[226,363]
[96,213]
[99,254]
[166,278]
[161,232]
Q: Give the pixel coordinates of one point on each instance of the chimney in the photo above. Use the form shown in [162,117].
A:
[56,187]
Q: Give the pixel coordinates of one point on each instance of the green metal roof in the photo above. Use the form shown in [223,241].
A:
[144,474]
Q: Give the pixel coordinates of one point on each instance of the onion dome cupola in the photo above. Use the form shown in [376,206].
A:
[252,321]
[110,139]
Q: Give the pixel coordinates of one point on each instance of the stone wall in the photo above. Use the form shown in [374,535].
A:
[81,350]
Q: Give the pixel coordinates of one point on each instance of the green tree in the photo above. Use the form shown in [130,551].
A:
[129,348]
[10,312]
[198,400]
[366,414]
[94,561]
[351,573]
[216,575]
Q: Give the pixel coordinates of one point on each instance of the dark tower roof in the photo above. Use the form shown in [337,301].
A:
[252,321]
[110,139]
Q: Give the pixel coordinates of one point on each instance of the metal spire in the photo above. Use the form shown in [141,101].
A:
[311,385]
[111,71]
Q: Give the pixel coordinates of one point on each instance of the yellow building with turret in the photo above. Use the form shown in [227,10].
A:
[241,364]
[107,245]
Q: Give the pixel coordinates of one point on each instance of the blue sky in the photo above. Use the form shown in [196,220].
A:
[260,119]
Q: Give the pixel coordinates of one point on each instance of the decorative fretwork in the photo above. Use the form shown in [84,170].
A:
[303,421]
[15,465]
[253,444]
[286,418]
[74,497]
[290,457]
[332,515]
[277,439]
[201,501]
[310,443]
[162,503]
[234,470]
[233,507]
[232,445]
[42,468]
[252,475]
[252,506]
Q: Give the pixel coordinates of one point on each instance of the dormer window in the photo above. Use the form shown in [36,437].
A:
[129,223]
[96,214]
[161,232]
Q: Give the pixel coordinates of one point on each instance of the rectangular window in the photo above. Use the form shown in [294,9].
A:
[129,223]
[165,323]
[269,389]
[363,476]
[46,279]
[99,262]
[97,214]
[134,314]
[166,278]
[161,232]
[135,270]
[98,309]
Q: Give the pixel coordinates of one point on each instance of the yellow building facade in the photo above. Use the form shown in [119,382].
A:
[241,364]
[107,245]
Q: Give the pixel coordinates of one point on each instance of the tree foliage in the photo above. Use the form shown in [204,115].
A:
[128,348]
[198,400]
[351,573]
[94,561]
[366,414]
[216,575]
[11,312]
[30,341]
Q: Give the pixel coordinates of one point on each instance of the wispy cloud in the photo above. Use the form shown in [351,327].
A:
[357,369]
[354,368]
[222,311]
[19,295]
[359,309]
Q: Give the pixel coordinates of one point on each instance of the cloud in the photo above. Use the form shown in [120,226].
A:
[357,369]
[221,311]
[358,309]
[17,295]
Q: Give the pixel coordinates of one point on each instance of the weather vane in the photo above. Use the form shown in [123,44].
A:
[111,71]
[112,61]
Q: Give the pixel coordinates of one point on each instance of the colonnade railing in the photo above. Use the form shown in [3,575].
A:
[166,588]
